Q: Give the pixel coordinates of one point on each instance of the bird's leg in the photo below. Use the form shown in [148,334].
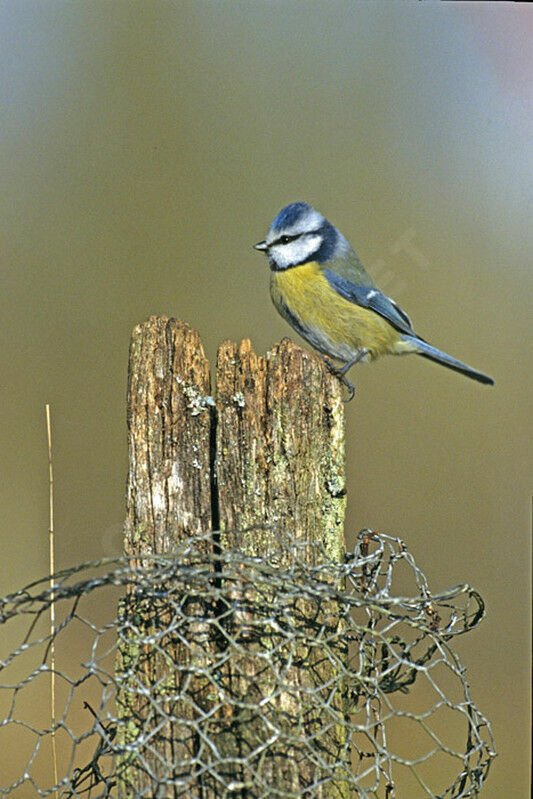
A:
[359,357]
[340,373]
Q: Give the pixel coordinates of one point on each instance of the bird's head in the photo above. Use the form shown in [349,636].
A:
[297,235]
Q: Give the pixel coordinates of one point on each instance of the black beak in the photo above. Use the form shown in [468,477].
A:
[261,245]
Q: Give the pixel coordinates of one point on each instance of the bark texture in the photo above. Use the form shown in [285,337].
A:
[280,466]
[169,486]
[168,500]
[279,447]
[263,468]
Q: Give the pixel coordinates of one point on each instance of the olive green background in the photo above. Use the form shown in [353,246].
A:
[146,147]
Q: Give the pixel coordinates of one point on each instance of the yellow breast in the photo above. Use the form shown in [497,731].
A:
[344,327]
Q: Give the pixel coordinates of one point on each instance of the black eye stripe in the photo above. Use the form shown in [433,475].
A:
[287,239]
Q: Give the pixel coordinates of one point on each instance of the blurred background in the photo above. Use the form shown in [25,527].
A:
[146,146]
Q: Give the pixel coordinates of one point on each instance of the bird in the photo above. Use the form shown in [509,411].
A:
[320,287]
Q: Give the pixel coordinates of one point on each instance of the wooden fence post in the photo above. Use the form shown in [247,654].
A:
[264,459]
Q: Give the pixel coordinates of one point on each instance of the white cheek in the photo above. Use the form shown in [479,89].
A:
[296,251]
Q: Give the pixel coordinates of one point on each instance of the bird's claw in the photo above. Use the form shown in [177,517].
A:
[340,374]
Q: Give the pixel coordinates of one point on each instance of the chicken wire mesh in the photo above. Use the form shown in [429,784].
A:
[206,674]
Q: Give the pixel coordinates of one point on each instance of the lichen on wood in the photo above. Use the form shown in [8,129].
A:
[264,459]
[280,446]
[280,474]
[168,500]
[169,489]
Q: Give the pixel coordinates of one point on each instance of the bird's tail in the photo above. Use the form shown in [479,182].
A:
[427,351]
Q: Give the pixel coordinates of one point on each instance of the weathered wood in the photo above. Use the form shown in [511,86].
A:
[169,486]
[280,478]
[280,447]
[265,466]
[168,500]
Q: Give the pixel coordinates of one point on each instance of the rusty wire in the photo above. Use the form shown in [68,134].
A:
[218,675]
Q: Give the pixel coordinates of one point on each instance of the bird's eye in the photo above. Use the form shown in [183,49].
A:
[285,239]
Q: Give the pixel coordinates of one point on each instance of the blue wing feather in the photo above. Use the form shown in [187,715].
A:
[372,298]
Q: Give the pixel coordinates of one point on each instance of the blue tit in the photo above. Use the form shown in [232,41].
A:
[320,287]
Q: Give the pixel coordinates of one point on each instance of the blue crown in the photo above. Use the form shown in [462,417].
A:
[289,215]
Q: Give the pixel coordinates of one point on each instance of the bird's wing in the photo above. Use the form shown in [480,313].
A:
[370,297]
[349,267]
